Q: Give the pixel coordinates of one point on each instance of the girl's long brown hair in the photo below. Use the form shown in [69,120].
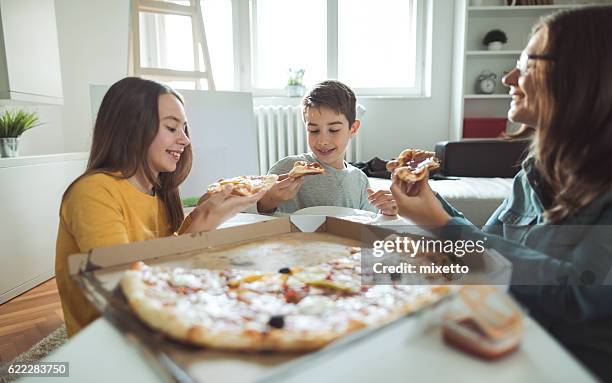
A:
[126,124]
[572,143]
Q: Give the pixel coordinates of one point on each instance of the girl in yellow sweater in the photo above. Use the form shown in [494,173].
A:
[139,156]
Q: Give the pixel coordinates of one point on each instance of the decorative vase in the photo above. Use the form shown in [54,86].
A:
[295,90]
[495,46]
[9,147]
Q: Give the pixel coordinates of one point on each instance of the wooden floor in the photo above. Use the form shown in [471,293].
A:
[28,318]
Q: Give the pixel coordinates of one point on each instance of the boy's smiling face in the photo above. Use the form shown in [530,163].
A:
[329,134]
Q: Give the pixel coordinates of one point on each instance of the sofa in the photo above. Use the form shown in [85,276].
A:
[475,175]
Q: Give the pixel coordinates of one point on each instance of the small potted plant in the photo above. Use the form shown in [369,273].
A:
[494,39]
[12,125]
[295,85]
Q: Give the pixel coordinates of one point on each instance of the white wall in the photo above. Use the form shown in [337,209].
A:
[93,43]
[392,124]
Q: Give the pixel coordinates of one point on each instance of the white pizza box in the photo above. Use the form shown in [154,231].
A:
[99,271]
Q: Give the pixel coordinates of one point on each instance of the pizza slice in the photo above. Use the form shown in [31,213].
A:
[303,168]
[412,164]
[245,185]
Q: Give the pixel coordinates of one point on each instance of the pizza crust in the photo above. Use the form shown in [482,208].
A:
[150,310]
[274,340]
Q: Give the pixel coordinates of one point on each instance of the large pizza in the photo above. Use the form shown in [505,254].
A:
[291,309]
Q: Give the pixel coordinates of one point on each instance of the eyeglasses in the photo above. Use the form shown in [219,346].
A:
[521,64]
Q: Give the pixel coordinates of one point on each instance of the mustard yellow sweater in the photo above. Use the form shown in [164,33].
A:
[101,210]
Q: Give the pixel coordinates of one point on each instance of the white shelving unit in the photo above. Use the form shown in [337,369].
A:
[493,53]
[486,96]
[470,57]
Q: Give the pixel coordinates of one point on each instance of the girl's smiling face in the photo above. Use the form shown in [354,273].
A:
[171,139]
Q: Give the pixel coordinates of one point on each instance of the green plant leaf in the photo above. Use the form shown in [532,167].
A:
[15,123]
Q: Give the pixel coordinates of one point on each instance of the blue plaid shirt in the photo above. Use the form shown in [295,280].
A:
[561,273]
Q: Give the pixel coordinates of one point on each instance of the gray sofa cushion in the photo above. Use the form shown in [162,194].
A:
[476,198]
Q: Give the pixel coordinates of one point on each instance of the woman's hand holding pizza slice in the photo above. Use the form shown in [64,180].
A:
[413,164]
[410,188]
[417,202]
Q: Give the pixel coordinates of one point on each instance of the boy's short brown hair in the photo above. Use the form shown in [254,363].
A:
[334,95]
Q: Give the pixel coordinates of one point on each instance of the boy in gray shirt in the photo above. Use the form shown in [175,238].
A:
[330,119]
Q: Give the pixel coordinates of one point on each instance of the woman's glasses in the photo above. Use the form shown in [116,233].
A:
[523,61]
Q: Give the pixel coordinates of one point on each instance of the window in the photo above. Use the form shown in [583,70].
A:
[288,34]
[377,43]
[168,43]
[171,45]
[375,46]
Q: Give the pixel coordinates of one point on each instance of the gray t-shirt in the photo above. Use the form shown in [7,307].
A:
[346,187]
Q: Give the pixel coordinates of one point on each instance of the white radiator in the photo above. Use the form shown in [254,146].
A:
[281,133]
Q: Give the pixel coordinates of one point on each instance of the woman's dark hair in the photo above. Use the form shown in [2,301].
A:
[126,124]
[573,141]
